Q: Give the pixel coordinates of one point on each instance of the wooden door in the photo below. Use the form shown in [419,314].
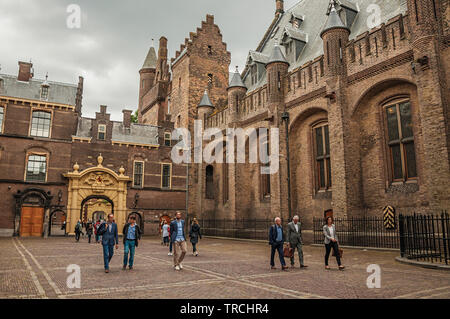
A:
[32,221]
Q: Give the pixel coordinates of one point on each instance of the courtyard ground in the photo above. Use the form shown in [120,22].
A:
[36,268]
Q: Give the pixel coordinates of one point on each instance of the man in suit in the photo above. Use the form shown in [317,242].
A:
[294,238]
[178,239]
[276,241]
[110,237]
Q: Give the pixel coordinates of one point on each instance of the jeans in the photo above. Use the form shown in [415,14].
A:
[97,238]
[298,246]
[77,236]
[108,253]
[277,247]
[194,247]
[328,247]
[130,246]
[177,256]
[89,236]
[170,246]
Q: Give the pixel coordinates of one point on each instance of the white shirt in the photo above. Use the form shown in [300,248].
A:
[296,227]
[331,229]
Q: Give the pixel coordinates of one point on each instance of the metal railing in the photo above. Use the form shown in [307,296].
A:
[360,231]
[238,228]
[425,237]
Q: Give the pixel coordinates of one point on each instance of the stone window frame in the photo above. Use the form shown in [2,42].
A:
[396,100]
[167,137]
[209,183]
[2,123]
[265,182]
[35,153]
[170,175]
[40,109]
[142,174]
[316,183]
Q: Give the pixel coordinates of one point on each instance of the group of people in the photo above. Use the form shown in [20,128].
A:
[173,235]
[294,242]
[91,229]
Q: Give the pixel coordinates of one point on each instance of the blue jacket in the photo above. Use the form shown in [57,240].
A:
[174,230]
[273,235]
[109,238]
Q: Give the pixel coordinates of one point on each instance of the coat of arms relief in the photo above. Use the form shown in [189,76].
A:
[99,182]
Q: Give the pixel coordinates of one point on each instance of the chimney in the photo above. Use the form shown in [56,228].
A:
[103,109]
[127,118]
[279,7]
[25,71]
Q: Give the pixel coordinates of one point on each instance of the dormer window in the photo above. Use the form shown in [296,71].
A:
[44,93]
[296,20]
[101,132]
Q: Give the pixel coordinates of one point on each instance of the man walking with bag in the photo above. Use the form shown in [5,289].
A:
[276,241]
[294,238]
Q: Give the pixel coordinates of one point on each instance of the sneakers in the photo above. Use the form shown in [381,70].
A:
[169,254]
[124,267]
[196,254]
[181,266]
[177,268]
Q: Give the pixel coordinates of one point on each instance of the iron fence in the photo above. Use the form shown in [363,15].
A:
[238,228]
[360,231]
[425,237]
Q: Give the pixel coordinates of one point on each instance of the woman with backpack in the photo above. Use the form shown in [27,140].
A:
[195,234]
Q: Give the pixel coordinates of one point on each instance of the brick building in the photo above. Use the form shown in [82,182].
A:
[57,165]
[366,109]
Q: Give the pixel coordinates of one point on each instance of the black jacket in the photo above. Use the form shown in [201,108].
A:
[125,233]
[273,235]
[195,233]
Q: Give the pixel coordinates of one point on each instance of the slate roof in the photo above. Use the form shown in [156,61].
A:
[205,101]
[315,18]
[137,134]
[277,55]
[62,93]
[333,21]
[151,60]
[236,80]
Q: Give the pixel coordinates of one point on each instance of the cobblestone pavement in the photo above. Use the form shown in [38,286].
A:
[36,268]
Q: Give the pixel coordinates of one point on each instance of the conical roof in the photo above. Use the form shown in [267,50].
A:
[236,80]
[205,101]
[151,60]
[277,55]
[333,21]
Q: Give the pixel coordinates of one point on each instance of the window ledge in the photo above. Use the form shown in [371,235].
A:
[407,187]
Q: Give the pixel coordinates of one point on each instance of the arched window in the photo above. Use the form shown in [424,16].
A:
[40,124]
[209,189]
[400,141]
[322,156]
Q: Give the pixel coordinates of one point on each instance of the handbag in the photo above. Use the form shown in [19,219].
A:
[287,251]
[341,252]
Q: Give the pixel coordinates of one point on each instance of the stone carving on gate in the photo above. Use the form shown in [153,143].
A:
[99,181]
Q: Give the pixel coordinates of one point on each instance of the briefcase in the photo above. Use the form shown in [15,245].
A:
[341,252]
[288,251]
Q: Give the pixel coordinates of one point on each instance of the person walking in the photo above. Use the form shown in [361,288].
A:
[331,242]
[294,238]
[110,236]
[78,230]
[276,241]
[131,236]
[97,236]
[194,235]
[89,230]
[170,241]
[178,239]
[165,233]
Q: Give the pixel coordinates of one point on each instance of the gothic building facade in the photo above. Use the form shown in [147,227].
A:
[359,95]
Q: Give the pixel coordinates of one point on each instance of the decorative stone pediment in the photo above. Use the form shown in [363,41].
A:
[99,181]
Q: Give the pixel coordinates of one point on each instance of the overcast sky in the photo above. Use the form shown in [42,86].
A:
[115,35]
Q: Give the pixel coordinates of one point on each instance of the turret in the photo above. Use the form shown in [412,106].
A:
[147,74]
[236,91]
[205,107]
[335,37]
[277,70]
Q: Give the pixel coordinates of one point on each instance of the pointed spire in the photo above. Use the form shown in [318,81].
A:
[45,83]
[205,101]
[236,80]
[333,21]
[151,60]
[277,55]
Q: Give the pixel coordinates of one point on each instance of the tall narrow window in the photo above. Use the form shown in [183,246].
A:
[138,174]
[322,156]
[210,80]
[167,139]
[265,178]
[2,115]
[401,141]
[44,92]
[225,190]
[166,176]
[40,124]
[36,168]
[101,132]
[209,187]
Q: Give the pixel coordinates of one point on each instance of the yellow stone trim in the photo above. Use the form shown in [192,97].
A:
[36,103]
[134,144]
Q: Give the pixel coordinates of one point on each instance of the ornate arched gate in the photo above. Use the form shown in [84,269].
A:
[96,182]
